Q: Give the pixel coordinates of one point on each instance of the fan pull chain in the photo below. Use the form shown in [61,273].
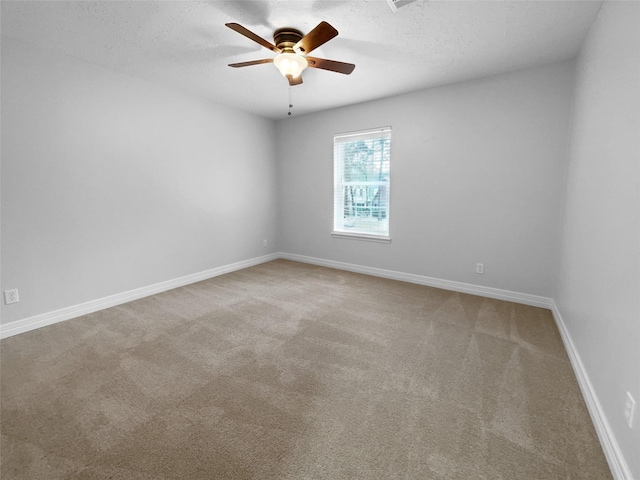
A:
[290,102]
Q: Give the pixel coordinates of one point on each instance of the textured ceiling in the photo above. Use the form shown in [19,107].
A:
[185,45]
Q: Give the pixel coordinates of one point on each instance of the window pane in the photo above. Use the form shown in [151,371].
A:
[361,182]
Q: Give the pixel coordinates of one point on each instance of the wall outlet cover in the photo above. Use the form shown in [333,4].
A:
[629,409]
[11,296]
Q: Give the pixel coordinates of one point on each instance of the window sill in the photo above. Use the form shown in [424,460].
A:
[361,236]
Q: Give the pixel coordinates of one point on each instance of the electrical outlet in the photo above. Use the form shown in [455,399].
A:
[264,242]
[480,268]
[11,296]
[629,409]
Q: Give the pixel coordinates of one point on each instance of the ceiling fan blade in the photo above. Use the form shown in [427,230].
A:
[295,81]
[316,37]
[256,38]
[331,65]
[252,62]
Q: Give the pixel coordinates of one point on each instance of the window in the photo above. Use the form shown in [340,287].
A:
[361,162]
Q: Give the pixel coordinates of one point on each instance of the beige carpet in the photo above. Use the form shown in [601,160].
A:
[292,371]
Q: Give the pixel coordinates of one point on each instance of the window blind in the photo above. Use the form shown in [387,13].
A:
[362,162]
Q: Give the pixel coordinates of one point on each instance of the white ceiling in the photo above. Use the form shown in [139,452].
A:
[185,45]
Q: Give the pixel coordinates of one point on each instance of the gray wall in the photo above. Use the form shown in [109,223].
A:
[477,176]
[599,276]
[110,183]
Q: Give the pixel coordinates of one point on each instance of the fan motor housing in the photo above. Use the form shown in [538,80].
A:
[286,38]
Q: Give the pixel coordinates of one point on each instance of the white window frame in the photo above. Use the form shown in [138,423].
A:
[340,230]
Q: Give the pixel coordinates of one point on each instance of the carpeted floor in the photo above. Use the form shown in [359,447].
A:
[293,371]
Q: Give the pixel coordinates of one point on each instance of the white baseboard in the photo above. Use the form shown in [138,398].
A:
[49,318]
[617,463]
[619,468]
[507,295]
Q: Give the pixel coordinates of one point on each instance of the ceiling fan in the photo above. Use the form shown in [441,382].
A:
[293,48]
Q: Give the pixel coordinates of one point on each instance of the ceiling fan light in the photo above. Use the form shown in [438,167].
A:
[290,65]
